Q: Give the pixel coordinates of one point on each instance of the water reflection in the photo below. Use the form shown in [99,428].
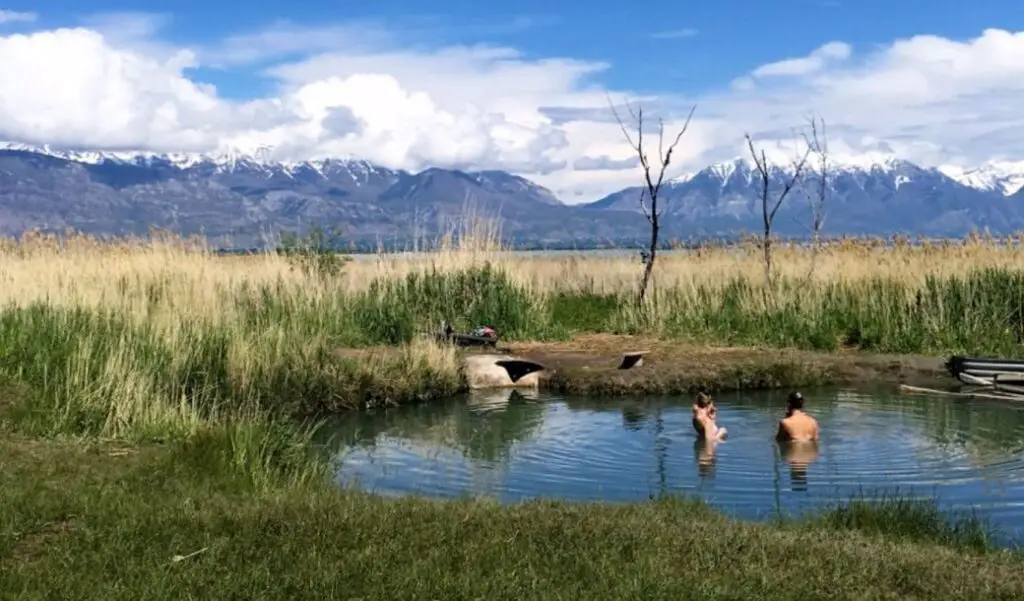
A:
[517,445]
[482,426]
[799,455]
[704,453]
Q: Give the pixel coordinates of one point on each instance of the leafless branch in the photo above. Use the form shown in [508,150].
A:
[652,186]
[817,142]
[769,206]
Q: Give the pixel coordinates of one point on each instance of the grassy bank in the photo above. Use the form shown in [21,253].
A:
[106,522]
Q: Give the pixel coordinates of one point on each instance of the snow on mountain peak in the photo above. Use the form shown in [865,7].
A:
[1005,177]
[225,160]
[778,160]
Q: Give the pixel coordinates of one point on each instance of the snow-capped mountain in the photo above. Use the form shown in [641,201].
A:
[221,162]
[244,196]
[241,195]
[1005,177]
[868,194]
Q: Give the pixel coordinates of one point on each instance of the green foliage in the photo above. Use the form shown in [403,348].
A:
[585,313]
[392,311]
[980,312]
[93,373]
[260,456]
[315,254]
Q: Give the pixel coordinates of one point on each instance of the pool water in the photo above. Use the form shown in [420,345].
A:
[514,446]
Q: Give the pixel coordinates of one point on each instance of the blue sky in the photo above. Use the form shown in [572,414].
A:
[454,83]
[668,45]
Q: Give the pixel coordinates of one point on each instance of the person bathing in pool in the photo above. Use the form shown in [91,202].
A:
[797,426]
[704,414]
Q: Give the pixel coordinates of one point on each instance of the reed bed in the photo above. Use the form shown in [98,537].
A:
[162,337]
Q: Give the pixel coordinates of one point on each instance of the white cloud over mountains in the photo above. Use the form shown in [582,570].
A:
[357,89]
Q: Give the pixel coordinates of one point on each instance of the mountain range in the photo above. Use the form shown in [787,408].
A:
[241,200]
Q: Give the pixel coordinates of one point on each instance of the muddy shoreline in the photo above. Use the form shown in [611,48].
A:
[589,365]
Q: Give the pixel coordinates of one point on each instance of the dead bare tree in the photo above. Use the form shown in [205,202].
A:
[817,143]
[770,207]
[651,187]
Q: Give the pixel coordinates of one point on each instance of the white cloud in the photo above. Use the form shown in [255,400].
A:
[69,87]
[929,99]
[13,16]
[358,89]
[807,65]
[283,39]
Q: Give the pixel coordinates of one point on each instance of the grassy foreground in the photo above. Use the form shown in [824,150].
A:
[107,522]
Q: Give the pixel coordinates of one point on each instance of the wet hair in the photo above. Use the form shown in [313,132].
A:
[795,400]
[704,399]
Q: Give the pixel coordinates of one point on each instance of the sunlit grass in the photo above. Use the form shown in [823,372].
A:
[100,522]
[159,338]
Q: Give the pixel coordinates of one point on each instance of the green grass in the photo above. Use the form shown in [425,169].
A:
[164,374]
[87,521]
[913,520]
[980,312]
[92,373]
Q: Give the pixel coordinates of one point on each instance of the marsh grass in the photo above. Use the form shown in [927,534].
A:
[158,339]
[94,372]
[262,457]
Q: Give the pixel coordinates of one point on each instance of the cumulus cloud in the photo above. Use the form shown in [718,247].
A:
[360,90]
[933,100]
[70,87]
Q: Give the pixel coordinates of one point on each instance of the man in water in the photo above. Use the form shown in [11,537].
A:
[797,426]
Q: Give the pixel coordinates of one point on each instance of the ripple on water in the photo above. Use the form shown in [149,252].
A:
[970,454]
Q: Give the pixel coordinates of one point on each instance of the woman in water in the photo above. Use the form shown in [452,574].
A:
[704,414]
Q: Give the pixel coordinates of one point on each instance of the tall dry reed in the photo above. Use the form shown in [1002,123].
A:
[163,336]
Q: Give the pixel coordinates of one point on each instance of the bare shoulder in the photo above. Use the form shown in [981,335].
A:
[783,431]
